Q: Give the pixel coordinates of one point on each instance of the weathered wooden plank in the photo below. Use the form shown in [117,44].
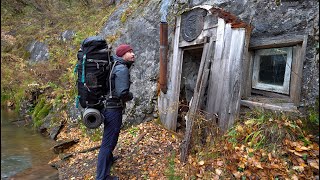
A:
[269,94]
[192,113]
[248,82]
[197,41]
[206,72]
[231,89]
[246,62]
[223,82]
[168,103]
[296,73]
[215,69]
[289,107]
[277,41]
[237,46]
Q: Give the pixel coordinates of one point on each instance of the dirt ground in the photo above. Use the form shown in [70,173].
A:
[145,151]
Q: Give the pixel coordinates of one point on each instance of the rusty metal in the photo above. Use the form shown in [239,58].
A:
[163,56]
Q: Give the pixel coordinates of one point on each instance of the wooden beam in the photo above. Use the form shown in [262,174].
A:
[285,107]
[215,70]
[277,41]
[198,91]
[246,66]
[269,94]
[223,97]
[193,43]
[168,103]
[234,88]
[296,71]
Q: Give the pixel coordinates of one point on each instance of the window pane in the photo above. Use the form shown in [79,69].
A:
[272,69]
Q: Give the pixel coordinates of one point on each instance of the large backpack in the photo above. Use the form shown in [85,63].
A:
[93,68]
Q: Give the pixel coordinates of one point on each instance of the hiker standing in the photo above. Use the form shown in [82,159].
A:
[115,103]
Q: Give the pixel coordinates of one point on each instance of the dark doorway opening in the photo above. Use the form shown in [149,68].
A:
[189,74]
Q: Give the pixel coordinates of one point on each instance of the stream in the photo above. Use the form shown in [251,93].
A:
[25,153]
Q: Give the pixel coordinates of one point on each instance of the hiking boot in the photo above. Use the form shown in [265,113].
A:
[112,178]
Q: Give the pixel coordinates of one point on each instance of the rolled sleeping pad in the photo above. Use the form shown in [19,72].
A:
[92,118]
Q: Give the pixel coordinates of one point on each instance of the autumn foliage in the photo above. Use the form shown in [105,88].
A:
[259,146]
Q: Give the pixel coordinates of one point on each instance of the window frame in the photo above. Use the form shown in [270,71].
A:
[298,42]
[256,84]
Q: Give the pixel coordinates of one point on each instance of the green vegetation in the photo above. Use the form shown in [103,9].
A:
[313,114]
[41,110]
[38,107]
[93,134]
[51,83]
[44,22]
[170,171]
[133,131]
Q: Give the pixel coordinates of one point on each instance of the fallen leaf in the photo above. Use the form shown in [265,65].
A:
[249,122]
[218,171]
[301,148]
[250,150]
[294,177]
[220,163]
[201,163]
[314,164]
[241,165]
[236,174]
[274,166]
[239,128]
[257,164]
[298,168]
[295,152]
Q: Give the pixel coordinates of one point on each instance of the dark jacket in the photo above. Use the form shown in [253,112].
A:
[120,79]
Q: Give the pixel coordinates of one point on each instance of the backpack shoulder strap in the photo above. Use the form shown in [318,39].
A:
[115,63]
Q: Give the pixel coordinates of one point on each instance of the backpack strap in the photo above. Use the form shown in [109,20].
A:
[76,68]
[77,101]
[83,79]
[83,68]
[110,76]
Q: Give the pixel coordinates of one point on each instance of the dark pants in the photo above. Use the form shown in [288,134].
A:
[111,131]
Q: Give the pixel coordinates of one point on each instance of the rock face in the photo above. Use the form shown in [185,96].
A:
[38,51]
[141,30]
[67,35]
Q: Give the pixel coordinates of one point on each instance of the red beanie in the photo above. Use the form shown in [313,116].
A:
[122,49]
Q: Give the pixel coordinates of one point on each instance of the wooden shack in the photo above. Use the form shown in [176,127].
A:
[208,49]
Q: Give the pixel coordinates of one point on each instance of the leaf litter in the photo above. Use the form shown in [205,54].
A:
[149,151]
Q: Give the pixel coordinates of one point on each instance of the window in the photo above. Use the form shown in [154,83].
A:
[272,69]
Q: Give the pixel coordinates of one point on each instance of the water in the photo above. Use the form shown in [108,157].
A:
[24,152]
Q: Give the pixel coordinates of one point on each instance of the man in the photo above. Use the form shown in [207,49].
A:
[118,96]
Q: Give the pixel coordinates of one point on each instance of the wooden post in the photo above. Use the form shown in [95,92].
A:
[168,103]
[198,91]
